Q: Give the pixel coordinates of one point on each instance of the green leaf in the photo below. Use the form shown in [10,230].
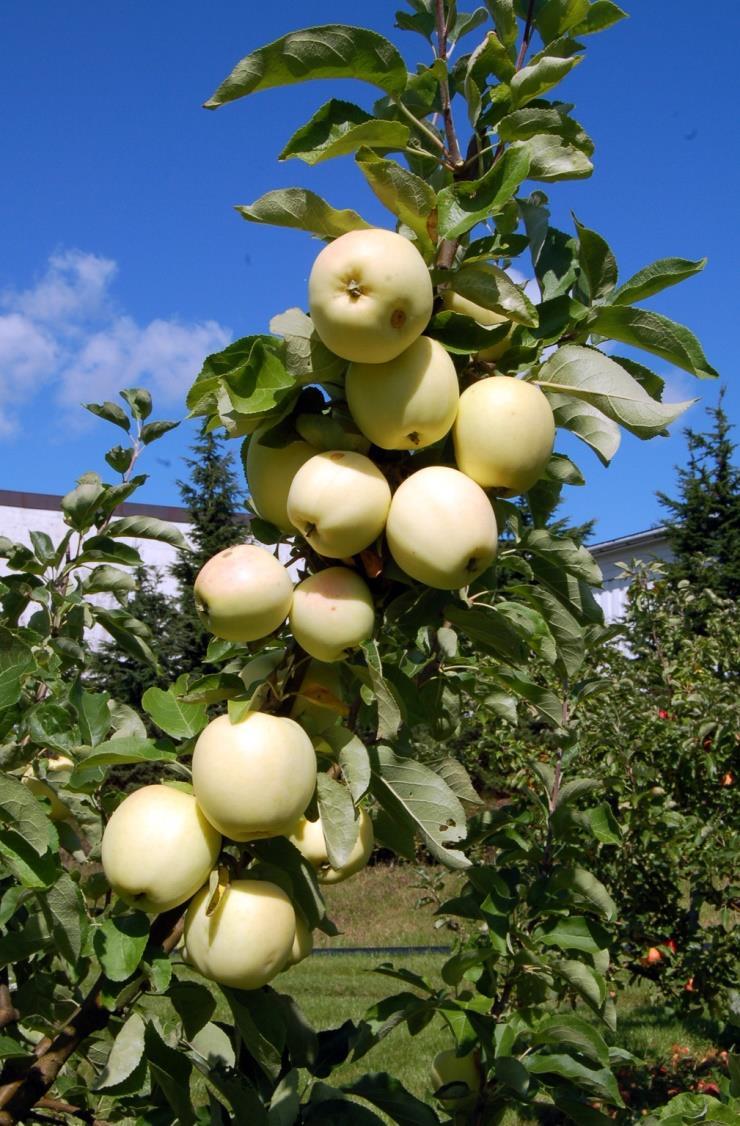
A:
[147,528]
[462,206]
[20,809]
[120,625]
[81,504]
[543,699]
[590,375]
[194,1003]
[598,1082]
[504,17]
[656,277]
[43,547]
[16,660]
[575,932]
[139,401]
[109,579]
[597,262]
[105,549]
[568,634]
[389,711]
[180,720]
[339,128]
[532,81]
[66,906]
[655,333]
[491,287]
[415,795]
[260,384]
[570,1033]
[604,824]
[567,554]
[304,210]
[554,17]
[648,379]
[534,121]
[151,431]
[307,359]
[552,158]
[125,1055]
[121,752]
[584,980]
[338,819]
[29,868]
[353,758]
[389,1095]
[330,51]
[407,196]
[262,1026]
[111,412]
[588,423]
[575,594]
[585,887]
[120,943]
[171,1071]
[601,14]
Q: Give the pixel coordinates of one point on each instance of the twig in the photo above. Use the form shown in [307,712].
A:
[453,147]
[527,36]
[8,1012]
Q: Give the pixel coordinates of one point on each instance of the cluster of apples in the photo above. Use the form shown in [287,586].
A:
[370,297]
[252,779]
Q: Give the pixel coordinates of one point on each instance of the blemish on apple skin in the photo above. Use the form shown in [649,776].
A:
[398,318]
[472,565]
[414,437]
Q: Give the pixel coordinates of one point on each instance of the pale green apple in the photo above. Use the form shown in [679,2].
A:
[270,472]
[448,1067]
[308,838]
[158,848]
[302,943]
[441,528]
[486,317]
[339,502]
[370,295]
[407,403]
[243,593]
[247,940]
[504,434]
[332,613]
[253,778]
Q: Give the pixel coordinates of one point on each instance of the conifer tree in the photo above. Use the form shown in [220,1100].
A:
[704,519]
[216,502]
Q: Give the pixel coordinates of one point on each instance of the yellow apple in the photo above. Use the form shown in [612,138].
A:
[339,502]
[302,943]
[441,528]
[247,940]
[269,476]
[254,777]
[448,1067]
[332,613]
[407,403]
[486,317]
[308,838]
[369,295]
[41,788]
[243,593]
[503,434]
[158,848]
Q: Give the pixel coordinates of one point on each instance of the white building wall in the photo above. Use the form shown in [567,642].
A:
[644,547]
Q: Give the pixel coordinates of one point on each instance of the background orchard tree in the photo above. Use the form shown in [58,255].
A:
[98,986]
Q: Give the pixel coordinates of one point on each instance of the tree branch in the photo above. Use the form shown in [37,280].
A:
[18,1097]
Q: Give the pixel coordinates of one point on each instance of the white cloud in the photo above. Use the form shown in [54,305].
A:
[66,335]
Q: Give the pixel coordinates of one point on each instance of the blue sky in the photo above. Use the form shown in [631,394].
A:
[122,260]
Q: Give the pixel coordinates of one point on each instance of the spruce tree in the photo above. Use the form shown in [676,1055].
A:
[704,520]
[216,502]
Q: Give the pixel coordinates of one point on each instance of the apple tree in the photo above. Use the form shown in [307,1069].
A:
[385,433]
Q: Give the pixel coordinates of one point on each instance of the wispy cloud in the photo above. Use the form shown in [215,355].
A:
[68,337]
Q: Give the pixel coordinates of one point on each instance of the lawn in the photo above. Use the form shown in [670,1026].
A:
[379,908]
